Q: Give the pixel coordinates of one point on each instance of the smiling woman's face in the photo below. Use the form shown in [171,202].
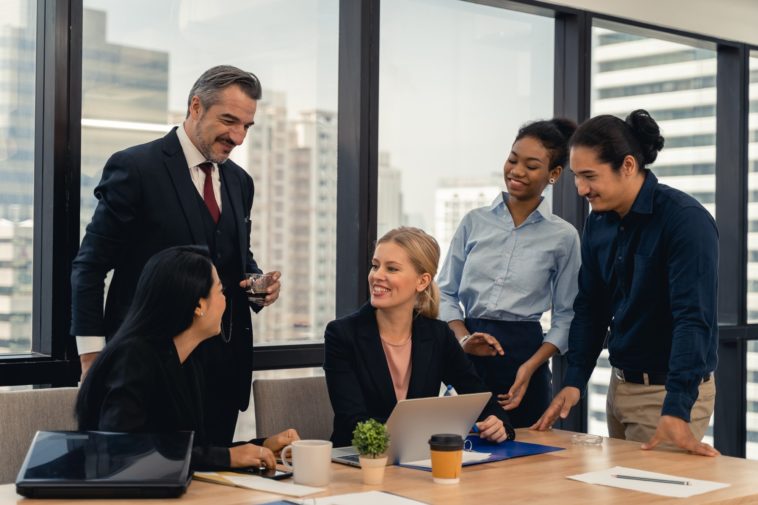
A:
[393,280]
[526,169]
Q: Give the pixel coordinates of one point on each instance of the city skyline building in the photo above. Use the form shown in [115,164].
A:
[389,207]
[454,198]
[17,111]
[294,166]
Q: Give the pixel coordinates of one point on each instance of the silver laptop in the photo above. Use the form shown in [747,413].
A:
[413,422]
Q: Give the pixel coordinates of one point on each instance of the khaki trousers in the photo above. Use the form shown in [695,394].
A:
[633,410]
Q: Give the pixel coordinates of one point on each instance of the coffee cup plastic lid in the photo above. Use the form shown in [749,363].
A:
[446,442]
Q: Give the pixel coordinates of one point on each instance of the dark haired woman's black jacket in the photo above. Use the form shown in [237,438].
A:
[142,387]
[359,381]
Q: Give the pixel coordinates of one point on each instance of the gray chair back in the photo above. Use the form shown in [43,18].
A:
[301,403]
[22,414]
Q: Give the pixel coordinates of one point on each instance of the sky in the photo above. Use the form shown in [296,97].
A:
[456,78]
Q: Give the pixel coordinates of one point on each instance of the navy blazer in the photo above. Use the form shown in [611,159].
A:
[359,380]
[147,203]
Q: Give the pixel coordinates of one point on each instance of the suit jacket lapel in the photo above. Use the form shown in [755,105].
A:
[371,350]
[231,188]
[421,356]
[178,171]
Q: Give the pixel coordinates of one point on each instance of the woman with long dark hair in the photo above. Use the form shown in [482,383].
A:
[147,379]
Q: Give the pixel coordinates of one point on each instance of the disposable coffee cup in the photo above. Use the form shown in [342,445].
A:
[447,458]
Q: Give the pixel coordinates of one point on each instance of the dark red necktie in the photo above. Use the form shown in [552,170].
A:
[208,195]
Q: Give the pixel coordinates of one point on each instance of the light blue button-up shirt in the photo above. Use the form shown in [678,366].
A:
[496,270]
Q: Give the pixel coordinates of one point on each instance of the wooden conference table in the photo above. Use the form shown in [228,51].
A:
[534,480]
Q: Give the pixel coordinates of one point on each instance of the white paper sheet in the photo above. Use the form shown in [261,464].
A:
[367,498]
[269,485]
[468,457]
[605,478]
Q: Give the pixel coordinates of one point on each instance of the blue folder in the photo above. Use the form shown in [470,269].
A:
[504,450]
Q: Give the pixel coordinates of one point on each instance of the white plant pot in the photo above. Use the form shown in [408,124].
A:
[373,469]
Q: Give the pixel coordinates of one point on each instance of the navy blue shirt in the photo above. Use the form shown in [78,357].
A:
[652,277]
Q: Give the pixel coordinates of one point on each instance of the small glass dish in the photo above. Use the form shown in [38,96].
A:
[586,439]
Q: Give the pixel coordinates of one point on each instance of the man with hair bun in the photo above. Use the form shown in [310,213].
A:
[649,282]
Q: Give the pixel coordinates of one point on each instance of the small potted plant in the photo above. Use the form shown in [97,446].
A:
[371,440]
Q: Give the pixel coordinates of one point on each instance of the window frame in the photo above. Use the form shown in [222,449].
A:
[53,359]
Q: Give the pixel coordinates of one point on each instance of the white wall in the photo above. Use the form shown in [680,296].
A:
[735,20]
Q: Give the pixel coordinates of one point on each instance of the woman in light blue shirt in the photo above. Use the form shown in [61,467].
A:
[507,264]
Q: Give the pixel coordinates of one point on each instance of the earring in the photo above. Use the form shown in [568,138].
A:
[202,313]
[551,180]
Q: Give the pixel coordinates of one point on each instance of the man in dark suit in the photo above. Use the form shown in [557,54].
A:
[178,190]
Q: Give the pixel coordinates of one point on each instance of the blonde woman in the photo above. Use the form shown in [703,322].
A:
[394,347]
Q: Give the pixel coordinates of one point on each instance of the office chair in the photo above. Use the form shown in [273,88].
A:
[22,413]
[301,403]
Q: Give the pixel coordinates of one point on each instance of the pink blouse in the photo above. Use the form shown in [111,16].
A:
[399,363]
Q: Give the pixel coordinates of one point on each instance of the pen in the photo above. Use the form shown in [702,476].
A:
[651,479]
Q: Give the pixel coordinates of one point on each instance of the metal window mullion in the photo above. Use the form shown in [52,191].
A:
[357,149]
[730,422]
[573,49]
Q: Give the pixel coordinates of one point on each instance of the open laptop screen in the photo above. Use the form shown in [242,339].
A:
[61,463]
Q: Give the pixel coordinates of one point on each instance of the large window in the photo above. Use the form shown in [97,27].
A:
[676,83]
[137,72]
[18,43]
[457,79]
[752,266]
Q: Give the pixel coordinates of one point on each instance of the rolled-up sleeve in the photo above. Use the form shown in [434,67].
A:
[449,278]
[565,287]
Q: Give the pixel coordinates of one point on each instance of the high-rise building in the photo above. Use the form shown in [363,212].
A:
[124,101]
[17,72]
[390,195]
[294,165]
[15,285]
[316,134]
[17,68]
[454,198]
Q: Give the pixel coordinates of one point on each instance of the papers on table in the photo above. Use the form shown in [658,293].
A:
[610,477]
[256,482]
[469,457]
[367,498]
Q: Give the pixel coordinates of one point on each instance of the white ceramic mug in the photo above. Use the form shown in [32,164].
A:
[311,461]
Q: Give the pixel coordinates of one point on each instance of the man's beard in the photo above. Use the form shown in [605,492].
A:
[206,148]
